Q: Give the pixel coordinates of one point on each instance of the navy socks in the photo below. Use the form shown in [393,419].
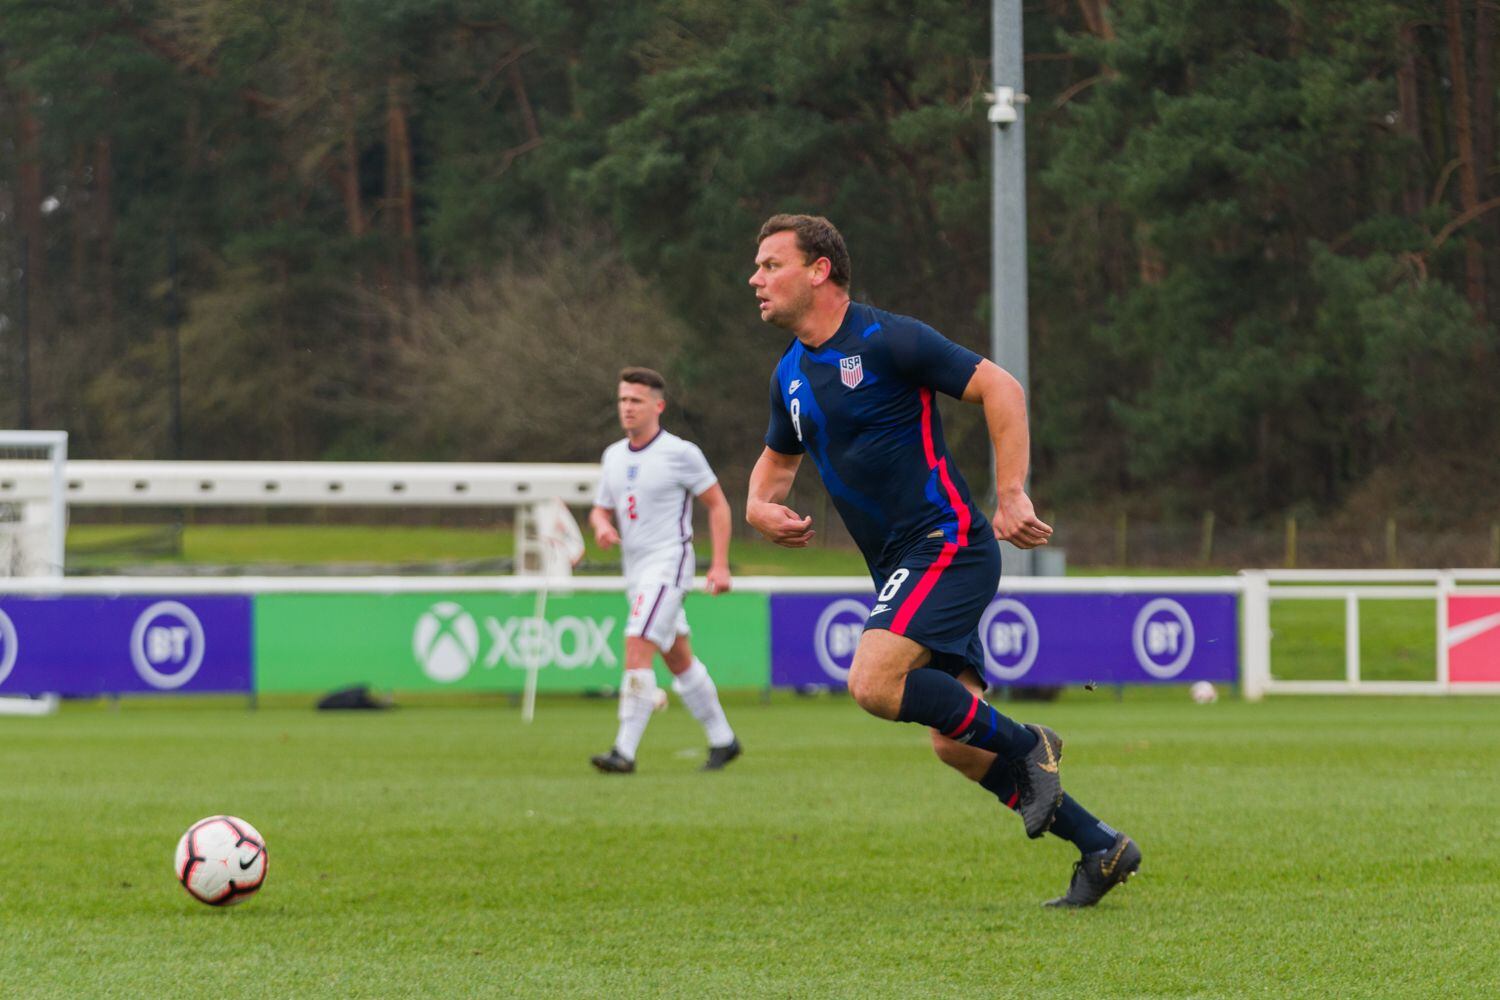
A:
[999,783]
[1072,823]
[1081,828]
[936,699]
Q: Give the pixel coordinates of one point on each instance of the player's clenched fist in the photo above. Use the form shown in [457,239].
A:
[1016,521]
[781,525]
[606,535]
[717,580]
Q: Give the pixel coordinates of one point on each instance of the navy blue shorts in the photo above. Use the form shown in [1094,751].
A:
[936,594]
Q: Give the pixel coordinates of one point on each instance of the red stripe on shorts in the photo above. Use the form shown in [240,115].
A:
[923,588]
[960,509]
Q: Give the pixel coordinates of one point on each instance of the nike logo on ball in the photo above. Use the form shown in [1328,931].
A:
[245,865]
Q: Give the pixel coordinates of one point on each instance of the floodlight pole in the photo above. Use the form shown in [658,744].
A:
[23,324]
[1008,312]
[174,333]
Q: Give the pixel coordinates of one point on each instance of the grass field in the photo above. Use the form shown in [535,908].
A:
[1299,847]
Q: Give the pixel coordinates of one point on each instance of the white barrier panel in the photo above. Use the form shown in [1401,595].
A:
[749,584]
[1466,617]
[1466,611]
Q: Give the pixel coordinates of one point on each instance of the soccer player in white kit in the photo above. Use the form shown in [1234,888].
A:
[645,503]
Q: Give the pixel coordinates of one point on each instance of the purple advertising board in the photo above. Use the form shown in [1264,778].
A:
[1033,639]
[121,645]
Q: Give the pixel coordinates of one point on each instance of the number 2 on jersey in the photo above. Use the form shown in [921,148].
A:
[630,508]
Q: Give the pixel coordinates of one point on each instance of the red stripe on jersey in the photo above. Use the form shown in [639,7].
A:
[959,507]
[927,444]
[923,588]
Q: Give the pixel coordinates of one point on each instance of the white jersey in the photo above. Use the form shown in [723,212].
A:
[651,491]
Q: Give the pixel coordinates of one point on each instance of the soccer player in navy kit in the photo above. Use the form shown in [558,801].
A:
[856,390]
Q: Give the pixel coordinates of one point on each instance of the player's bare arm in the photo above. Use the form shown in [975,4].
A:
[717,578]
[601,519]
[1004,402]
[770,482]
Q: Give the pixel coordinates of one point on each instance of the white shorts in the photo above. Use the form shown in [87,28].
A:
[656,594]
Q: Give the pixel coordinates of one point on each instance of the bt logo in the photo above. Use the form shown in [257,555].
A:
[1163,638]
[10,645]
[837,635]
[167,645]
[1011,639]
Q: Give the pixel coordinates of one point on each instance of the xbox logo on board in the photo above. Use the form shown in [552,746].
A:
[445,642]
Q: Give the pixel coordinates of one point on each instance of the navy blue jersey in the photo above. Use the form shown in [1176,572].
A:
[862,406]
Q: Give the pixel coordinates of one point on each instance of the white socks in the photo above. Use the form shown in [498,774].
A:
[638,694]
[697,691]
[637,702]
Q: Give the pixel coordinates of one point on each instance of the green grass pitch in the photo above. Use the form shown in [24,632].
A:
[1300,847]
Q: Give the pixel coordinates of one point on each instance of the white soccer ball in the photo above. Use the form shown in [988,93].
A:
[1203,693]
[660,702]
[221,860]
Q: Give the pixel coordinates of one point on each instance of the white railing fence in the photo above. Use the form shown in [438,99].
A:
[1466,613]
[531,488]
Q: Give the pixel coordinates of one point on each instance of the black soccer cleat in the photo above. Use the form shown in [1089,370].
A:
[613,762]
[1097,873]
[1038,784]
[718,757]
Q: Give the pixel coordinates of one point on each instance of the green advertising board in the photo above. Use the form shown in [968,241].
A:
[486,641]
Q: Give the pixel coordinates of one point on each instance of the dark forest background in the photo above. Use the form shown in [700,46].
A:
[1264,235]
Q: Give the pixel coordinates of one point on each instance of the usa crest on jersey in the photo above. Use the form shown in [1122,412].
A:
[851,371]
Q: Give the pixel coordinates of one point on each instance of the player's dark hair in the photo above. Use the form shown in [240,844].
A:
[648,377]
[816,237]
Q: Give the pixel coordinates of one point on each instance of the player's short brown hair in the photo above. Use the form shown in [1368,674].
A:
[648,377]
[816,237]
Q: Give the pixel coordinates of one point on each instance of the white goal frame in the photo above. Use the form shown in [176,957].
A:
[41,494]
[42,497]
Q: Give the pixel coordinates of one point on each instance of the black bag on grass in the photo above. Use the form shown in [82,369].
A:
[352,697]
